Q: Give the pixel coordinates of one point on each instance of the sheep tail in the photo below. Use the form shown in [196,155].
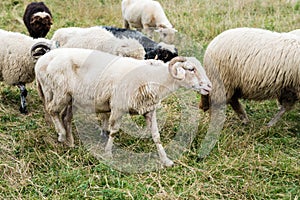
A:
[40,91]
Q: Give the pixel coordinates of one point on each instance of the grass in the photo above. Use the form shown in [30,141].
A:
[248,162]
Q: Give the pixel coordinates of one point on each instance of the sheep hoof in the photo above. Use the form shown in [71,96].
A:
[23,110]
[270,124]
[69,143]
[61,137]
[168,163]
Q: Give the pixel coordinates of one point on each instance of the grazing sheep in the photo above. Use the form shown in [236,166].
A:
[16,63]
[37,19]
[159,51]
[147,14]
[98,39]
[255,64]
[115,85]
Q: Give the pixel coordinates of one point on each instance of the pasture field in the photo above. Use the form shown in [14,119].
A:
[248,161]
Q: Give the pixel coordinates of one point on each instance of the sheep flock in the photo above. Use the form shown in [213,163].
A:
[87,65]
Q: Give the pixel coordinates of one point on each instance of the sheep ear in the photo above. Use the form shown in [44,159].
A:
[51,21]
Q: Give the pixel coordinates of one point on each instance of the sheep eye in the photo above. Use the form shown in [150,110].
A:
[192,70]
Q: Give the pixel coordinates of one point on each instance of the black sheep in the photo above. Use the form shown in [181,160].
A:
[159,51]
[37,19]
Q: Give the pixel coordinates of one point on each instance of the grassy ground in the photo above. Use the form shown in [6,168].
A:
[248,162]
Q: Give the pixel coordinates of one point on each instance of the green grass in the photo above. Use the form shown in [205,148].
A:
[248,162]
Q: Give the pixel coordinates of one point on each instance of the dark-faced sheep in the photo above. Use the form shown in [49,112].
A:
[37,19]
[154,50]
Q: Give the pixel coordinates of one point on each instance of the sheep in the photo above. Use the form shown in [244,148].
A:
[98,39]
[147,14]
[154,50]
[16,63]
[255,64]
[115,85]
[37,19]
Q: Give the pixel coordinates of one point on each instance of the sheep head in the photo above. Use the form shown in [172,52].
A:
[166,52]
[190,74]
[40,24]
[166,34]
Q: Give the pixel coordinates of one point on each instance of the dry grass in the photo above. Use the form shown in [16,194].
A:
[248,162]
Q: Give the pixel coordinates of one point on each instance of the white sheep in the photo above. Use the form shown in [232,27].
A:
[16,63]
[115,85]
[255,64]
[98,39]
[147,14]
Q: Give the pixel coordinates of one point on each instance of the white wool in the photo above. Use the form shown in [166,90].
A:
[16,63]
[41,14]
[295,32]
[98,39]
[255,64]
[144,14]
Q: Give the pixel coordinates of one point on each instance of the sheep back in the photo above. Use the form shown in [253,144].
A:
[89,81]
[254,63]
[98,39]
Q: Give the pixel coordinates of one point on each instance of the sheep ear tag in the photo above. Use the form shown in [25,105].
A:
[180,73]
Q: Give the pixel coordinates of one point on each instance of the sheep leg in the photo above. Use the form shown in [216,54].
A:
[23,95]
[238,108]
[59,127]
[156,138]
[148,121]
[277,116]
[60,110]
[287,100]
[67,118]
[113,127]
[104,118]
